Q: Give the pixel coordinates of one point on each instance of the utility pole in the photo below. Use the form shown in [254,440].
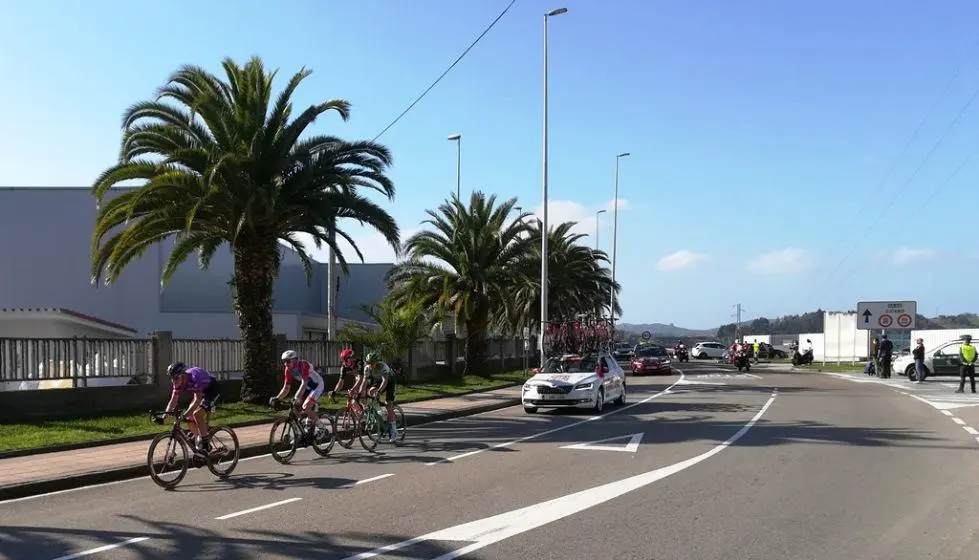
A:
[737,315]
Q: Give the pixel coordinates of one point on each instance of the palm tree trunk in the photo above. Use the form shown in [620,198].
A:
[256,268]
[476,328]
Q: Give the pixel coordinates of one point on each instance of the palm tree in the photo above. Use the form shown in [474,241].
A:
[466,266]
[395,333]
[220,163]
[579,283]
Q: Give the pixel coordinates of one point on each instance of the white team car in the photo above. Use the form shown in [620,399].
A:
[574,381]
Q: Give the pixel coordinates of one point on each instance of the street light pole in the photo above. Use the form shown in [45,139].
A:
[597,223]
[615,233]
[544,230]
[458,140]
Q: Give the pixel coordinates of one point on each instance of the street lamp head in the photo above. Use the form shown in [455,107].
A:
[455,136]
[601,211]
[556,12]
[623,154]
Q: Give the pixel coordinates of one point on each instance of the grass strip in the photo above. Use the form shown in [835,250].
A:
[46,433]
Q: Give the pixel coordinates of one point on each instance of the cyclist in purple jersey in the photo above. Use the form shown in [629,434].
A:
[204,387]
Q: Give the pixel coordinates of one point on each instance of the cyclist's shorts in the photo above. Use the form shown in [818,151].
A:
[388,391]
[315,394]
[210,396]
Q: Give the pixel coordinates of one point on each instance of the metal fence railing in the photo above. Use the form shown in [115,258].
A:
[75,359]
[79,359]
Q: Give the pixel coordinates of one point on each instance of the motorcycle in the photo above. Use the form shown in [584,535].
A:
[802,359]
[682,354]
[743,361]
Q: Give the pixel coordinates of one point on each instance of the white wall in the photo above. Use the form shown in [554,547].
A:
[751,338]
[842,341]
[935,338]
[222,325]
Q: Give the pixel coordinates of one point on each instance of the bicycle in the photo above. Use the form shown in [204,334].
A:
[376,424]
[180,439]
[298,431]
[350,425]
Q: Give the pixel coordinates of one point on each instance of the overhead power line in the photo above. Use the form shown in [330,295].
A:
[447,70]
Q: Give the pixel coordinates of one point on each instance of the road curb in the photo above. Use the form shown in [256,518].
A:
[245,424]
[47,486]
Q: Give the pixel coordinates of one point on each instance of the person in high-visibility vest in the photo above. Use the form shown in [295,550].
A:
[968,354]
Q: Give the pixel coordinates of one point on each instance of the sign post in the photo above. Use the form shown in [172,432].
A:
[884,315]
[894,315]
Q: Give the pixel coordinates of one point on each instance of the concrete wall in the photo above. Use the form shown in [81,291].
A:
[842,340]
[51,228]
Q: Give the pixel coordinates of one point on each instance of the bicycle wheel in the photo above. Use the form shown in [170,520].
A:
[371,432]
[400,422]
[283,440]
[324,438]
[175,455]
[346,429]
[223,458]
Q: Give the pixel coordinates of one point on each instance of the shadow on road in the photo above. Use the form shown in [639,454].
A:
[267,481]
[167,541]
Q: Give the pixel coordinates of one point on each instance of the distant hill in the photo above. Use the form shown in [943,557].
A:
[813,322]
[661,330]
[788,324]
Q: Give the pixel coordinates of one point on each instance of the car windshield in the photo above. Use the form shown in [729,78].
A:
[575,364]
[623,347]
[651,352]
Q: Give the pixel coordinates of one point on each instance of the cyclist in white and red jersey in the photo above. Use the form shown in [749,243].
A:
[311,384]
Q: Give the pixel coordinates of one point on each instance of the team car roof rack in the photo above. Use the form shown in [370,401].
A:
[581,336]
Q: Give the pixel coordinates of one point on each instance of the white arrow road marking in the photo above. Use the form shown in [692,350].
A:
[484,532]
[559,428]
[630,447]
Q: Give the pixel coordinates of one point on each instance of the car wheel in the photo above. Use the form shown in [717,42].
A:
[530,409]
[621,400]
[599,401]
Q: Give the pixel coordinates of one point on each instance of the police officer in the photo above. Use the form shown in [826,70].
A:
[968,354]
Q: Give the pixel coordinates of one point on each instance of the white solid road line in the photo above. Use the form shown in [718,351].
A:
[547,432]
[102,549]
[484,532]
[259,508]
[366,480]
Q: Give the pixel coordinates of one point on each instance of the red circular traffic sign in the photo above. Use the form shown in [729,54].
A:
[885,321]
[904,320]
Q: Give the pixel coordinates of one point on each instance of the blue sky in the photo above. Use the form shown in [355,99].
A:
[760,131]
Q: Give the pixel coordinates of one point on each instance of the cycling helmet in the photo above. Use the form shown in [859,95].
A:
[346,354]
[176,368]
[967,337]
[289,355]
[371,358]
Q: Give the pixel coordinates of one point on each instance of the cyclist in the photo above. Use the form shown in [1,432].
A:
[351,366]
[381,378]
[310,385]
[206,391]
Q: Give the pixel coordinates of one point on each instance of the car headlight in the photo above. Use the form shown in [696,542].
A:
[584,386]
[526,388]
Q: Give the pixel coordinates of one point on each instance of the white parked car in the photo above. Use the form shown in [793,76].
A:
[574,381]
[707,350]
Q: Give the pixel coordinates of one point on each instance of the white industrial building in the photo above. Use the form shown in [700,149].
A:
[45,287]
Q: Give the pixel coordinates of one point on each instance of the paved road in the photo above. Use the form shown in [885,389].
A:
[771,465]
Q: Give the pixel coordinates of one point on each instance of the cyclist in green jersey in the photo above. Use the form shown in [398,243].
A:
[380,377]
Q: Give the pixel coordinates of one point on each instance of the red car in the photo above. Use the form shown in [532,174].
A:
[651,359]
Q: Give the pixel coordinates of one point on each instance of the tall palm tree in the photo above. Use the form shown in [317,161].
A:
[465,265]
[220,163]
[579,281]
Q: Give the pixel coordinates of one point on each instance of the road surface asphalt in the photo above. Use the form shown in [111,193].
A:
[720,466]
